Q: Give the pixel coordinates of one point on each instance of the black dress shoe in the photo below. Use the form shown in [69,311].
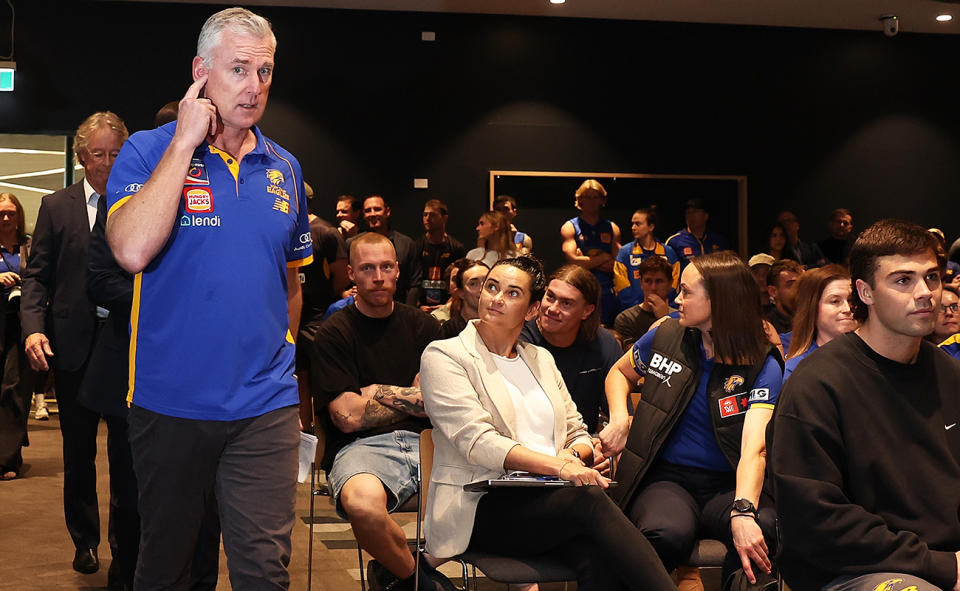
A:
[85,561]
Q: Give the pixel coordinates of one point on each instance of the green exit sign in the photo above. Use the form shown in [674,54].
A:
[6,76]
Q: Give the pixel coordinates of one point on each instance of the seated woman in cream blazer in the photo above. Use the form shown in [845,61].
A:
[499,405]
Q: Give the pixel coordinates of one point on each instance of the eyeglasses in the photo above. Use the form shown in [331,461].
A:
[951,308]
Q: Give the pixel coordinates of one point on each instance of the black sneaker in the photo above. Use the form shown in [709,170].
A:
[431,579]
[381,579]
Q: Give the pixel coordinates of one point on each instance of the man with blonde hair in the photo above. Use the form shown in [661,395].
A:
[60,325]
[194,205]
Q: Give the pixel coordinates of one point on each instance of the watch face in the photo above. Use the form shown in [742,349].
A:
[743,506]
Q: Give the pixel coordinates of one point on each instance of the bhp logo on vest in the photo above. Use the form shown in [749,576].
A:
[663,368]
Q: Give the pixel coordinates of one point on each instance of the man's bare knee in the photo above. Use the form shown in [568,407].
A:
[364,499]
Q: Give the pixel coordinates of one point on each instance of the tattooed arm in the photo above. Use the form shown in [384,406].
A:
[377,405]
[352,412]
[407,400]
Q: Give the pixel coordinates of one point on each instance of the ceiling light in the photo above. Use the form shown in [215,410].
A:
[944,18]
[557,1]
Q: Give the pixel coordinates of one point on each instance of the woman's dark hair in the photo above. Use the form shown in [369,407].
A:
[586,283]
[766,244]
[883,239]
[807,305]
[533,268]
[649,213]
[737,323]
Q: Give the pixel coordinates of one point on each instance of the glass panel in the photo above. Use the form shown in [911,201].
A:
[31,166]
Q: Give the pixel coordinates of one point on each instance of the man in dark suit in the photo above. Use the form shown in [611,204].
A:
[60,324]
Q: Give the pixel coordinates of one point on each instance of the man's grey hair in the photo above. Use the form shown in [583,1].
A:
[236,19]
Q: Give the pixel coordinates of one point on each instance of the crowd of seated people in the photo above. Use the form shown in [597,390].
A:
[519,370]
[707,474]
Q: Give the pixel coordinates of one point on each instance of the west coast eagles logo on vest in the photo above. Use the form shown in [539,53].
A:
[671,380]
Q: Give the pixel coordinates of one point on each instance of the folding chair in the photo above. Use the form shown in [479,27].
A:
[501,569]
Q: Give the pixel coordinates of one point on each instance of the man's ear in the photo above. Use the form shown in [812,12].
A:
[350,273]
[864,291]
[772,291]
[198,69]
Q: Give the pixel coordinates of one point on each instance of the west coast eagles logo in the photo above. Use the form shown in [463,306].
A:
[282,201]
[275,177]
[731,383]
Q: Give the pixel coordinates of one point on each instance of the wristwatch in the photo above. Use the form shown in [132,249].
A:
[744,506]
[574,451]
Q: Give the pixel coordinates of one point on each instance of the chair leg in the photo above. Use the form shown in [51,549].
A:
[363,581]
[313,474]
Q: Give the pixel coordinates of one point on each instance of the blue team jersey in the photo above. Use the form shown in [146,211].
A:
[687,246]
[791,364]
[692,442]
[209,327]
[593,240]
[952,346]
[626,270]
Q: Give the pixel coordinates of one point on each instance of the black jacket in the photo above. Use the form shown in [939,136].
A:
[105,383]
[54,300]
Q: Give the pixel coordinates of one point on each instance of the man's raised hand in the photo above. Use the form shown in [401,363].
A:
[197,117]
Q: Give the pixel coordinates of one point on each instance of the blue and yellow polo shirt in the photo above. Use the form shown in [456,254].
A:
[209,328]
[688,246]
[952,346]
[626,270]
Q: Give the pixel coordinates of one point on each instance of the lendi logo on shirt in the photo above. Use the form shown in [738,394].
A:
[209,221]
[663,368]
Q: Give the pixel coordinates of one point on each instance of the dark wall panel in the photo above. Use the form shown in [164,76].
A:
[815,119]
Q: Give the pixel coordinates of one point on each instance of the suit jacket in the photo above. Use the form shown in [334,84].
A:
[474,426]
[104,387]
[54,299]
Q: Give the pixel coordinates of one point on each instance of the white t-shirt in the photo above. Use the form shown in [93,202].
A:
[533,409]
[489,257]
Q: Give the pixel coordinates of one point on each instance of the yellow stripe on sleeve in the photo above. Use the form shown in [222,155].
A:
[118,205]
[300,262]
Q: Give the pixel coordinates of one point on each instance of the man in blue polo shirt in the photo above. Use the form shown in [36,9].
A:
[211,218]
[695,239]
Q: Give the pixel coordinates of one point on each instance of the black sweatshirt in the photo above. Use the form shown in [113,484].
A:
[864,475]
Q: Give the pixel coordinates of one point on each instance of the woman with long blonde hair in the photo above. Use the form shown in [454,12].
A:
[493,239]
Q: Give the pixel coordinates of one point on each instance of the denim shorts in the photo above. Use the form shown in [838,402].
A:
[391,457]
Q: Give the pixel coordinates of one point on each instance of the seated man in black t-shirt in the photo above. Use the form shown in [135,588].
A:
[864,449]
[368,358]
[568,325]
[635,321]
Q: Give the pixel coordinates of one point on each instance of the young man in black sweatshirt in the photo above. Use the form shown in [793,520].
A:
[864,448]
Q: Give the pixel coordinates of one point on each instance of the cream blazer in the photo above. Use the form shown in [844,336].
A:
[474,426]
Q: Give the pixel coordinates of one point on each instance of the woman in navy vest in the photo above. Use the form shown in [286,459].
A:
[693,455]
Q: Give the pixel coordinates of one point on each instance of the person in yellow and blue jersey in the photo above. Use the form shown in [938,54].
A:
[211,219]
[626,269]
